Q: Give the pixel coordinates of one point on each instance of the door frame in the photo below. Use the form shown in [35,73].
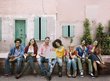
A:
[25,19]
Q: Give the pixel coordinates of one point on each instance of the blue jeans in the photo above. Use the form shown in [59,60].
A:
[41,62]
[59,61]
[30,62]
[9,67]
[73,63]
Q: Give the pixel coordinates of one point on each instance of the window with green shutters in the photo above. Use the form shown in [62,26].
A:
[0,28]
[40,24]
[68,30]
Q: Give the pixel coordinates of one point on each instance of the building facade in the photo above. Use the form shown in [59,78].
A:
[37,19]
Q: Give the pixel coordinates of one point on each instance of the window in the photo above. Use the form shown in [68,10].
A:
[68,30]
[40,24]
[0,28]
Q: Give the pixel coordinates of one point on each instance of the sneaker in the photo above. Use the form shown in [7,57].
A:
[81,74]
[92,75]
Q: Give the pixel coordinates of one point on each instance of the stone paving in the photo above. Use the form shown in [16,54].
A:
[55,78]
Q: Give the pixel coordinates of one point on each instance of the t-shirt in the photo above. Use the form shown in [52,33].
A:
[60,52]
[17,52]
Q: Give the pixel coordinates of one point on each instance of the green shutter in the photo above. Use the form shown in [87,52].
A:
[65,31]
[43,27]
[0,28]
[71,30]
[36,28]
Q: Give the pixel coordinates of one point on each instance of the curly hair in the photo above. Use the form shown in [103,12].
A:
[18,39]
[54,43]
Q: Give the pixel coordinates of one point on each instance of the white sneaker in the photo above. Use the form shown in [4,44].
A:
[81,74]
[92,75]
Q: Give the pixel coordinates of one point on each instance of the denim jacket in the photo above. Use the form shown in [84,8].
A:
[81,51]
[12,51]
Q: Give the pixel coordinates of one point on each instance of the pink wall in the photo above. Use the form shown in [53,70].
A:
[66,12]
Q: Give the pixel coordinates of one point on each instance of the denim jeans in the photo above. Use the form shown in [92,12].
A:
[73,63]
[9,67]
[30,62]
[41,62]
[59,61]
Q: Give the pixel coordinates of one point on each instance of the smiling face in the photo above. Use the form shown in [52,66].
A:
[32,42]
[95,43]
[83,43]
[57,44]
[17,43]
[47,40]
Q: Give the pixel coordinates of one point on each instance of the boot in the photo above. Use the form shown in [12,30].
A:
[60,71]
[18,76]
[49,76]
[68,73]
[74,74]
[96,74]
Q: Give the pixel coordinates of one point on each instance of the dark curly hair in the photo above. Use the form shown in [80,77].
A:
[18,39]
[54,43]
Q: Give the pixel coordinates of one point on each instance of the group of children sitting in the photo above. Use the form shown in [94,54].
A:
[74,56]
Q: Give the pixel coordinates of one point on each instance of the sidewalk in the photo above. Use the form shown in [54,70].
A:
[54,78]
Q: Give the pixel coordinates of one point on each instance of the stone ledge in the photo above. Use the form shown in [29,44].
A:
[106,59]
[3,55]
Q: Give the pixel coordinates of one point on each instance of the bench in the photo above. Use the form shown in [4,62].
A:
[104,71]
[3,56]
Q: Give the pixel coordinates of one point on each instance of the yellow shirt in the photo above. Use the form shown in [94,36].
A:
[60,52]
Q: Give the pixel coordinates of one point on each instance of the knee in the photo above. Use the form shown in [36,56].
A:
[89,61]
[39,61]
[19,60]
[60,64]
[73,60]
[69,61]
[78,59]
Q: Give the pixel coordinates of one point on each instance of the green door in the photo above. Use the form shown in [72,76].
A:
[20,27]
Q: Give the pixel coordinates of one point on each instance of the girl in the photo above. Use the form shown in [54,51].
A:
[59,49]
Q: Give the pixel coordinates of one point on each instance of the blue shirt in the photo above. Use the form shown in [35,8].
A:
[17,52]
[81,51]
